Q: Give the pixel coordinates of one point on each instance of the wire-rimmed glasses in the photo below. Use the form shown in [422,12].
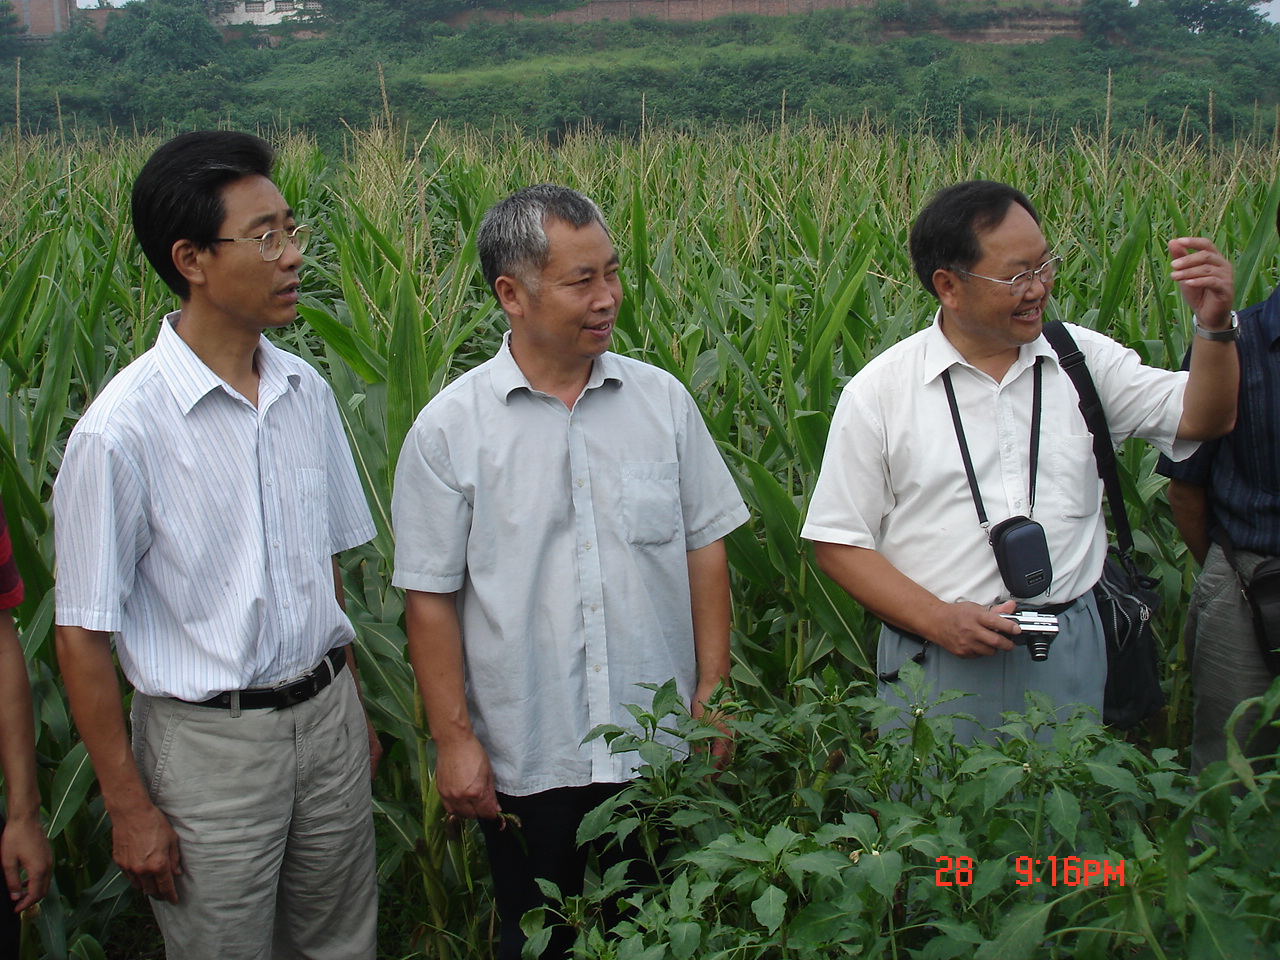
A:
[272,243]
[1018,285]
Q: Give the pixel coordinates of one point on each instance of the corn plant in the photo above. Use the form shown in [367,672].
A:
[762,267]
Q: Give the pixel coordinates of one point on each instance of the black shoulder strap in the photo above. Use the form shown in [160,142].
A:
[1072,361]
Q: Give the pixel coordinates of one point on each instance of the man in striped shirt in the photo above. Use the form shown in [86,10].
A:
[200,504]
[23,847]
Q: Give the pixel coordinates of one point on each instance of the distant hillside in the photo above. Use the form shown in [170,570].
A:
[951,66]
[1009,22]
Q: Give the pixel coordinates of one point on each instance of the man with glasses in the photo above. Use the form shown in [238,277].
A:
[201,501]
[895,517]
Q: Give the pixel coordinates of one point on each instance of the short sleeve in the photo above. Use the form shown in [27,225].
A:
[10,582]
[1140,400]
[852,495]
[430,513]
[350,523]
[709,498]
[100,531]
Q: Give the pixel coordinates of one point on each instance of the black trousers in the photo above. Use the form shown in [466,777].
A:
[545,846]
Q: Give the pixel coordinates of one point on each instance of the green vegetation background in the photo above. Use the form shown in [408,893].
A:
[1208,67]
[762,266]
[765,262]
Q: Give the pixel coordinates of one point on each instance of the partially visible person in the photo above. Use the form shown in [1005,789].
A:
[1228,493]
[24,850]
[894,519]
[559,513]
[199,509]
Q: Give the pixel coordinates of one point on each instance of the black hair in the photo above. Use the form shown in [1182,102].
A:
[945,236]
[178,193]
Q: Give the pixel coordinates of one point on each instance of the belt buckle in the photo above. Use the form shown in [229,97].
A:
[292,692]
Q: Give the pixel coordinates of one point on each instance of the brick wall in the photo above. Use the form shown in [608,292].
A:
[44,18]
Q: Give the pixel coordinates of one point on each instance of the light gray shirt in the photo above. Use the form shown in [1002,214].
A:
[565,533]
[199,528]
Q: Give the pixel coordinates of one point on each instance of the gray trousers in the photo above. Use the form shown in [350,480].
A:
[275,827]
[1226,665]
[1074,673]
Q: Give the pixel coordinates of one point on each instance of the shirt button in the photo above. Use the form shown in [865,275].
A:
[596,668]
[594,606]
[275,543]
[268,481]
[286,604]
[581,481]
[586,545]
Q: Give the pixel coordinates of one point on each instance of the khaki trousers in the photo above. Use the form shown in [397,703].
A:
[273,814]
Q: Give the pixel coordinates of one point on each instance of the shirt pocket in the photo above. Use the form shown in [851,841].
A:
[1075,474]
[650,501]
[311,519]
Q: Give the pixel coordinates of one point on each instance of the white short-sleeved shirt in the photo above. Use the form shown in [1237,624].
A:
[565,534]
[893,479]
[200,529]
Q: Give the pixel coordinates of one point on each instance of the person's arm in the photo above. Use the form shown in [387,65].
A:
[1205,279]
[1189,503]
[464,778]
[712,613]
[965,629]
[23,846]
[144,845]
[375,745]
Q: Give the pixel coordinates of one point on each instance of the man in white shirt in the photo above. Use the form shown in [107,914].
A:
[199,506]
[559,514]
[893,518]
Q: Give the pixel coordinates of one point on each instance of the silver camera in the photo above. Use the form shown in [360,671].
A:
[1038,631]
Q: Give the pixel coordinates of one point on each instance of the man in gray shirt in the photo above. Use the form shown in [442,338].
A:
[559,513]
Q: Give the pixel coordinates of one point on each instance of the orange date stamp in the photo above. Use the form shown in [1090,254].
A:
[1051,871]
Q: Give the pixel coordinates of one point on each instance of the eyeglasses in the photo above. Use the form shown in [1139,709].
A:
[1019,285]
[272,243]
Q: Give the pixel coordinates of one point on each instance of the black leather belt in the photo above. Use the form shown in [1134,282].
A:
[287,693]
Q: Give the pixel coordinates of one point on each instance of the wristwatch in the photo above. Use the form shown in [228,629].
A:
[1230,333]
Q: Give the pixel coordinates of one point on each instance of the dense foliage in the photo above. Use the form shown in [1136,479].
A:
[1206,67]
[762,267]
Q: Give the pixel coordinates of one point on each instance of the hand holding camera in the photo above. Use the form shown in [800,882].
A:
[1038,631]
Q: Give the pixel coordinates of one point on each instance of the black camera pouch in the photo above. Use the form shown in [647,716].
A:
[1022,556]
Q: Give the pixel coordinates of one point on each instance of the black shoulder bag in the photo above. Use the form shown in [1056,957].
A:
[1126,598]
[1261,590]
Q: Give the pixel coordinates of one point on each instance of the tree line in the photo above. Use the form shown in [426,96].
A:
[1201,68]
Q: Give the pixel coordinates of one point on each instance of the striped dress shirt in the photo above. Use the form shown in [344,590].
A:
[199,528]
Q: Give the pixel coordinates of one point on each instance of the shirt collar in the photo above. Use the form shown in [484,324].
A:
[507,376]
[941,355]
[190,380]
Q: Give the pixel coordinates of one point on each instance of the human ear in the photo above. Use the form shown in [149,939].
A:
[947,285]
[188,260]
[509,292]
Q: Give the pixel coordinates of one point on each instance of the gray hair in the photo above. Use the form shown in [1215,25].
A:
[512,240]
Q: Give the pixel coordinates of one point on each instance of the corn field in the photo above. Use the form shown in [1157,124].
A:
[761,267]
